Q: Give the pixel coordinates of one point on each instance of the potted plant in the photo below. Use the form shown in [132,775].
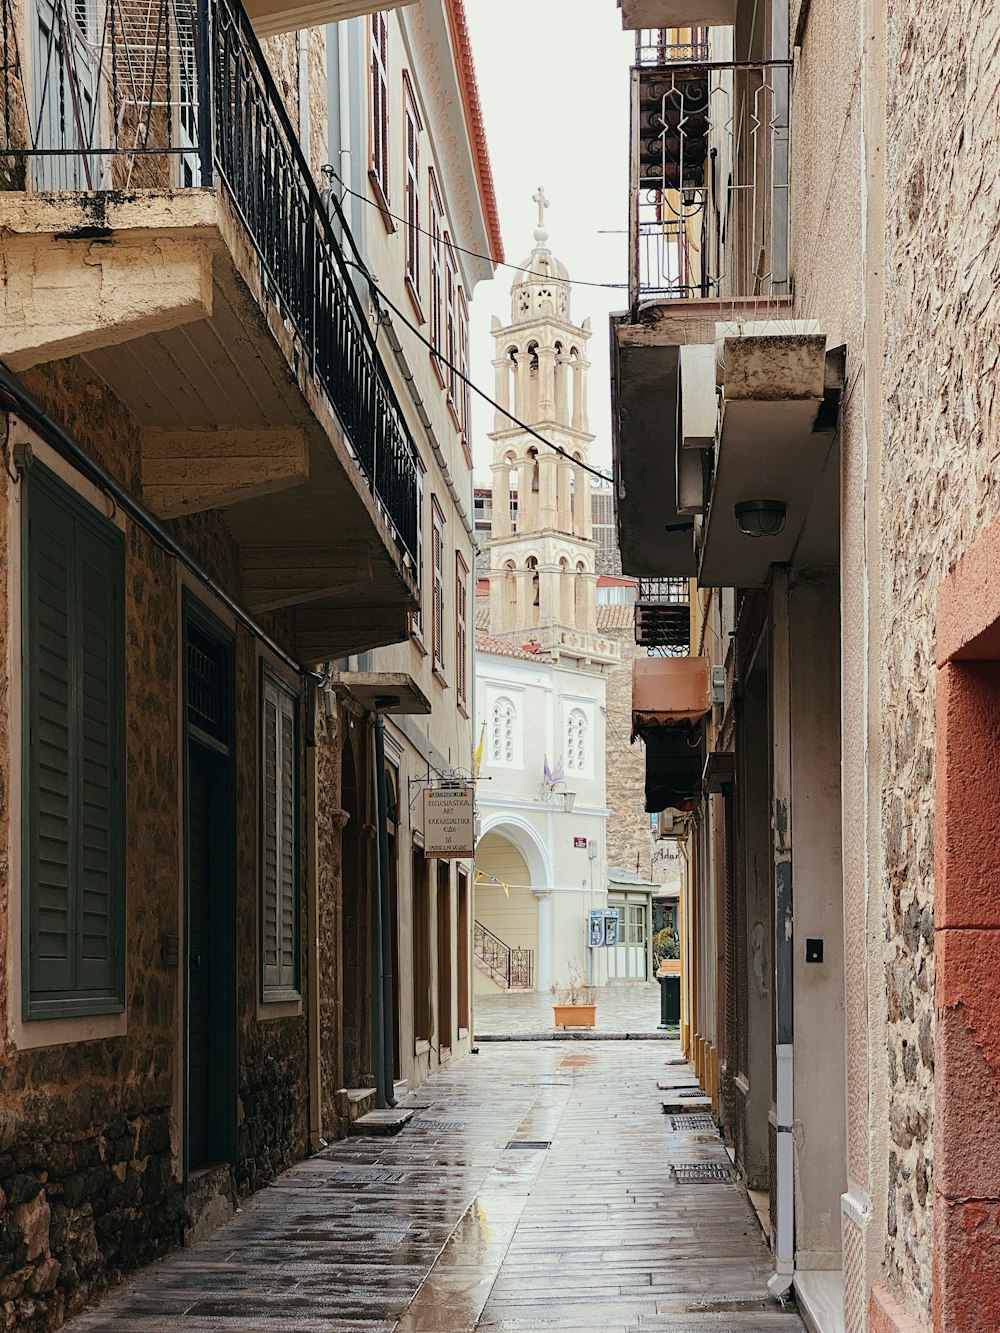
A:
[667,952]
[574,1005]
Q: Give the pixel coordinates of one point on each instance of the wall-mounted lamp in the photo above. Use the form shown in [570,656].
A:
[760,518]
[568,799]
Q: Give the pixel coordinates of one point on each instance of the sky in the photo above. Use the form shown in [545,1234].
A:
[553,78]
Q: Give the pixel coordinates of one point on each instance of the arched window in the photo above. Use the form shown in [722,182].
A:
[504,717]
[576,741]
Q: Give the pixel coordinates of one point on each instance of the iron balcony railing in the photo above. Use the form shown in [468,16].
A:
[663,617]
[512,968]
[708,202]
[123,95]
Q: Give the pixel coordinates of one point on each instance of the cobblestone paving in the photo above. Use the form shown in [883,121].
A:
[629,1008]
[532,1192]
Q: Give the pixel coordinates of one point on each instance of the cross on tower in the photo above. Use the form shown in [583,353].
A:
[539,198]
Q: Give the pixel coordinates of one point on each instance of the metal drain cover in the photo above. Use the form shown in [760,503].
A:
[439,1124]
[699,1173]
[692,1121]
[373,1177]
[530,1143]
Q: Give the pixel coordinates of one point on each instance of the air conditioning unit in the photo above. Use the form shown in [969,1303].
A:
[718,685]
[673,824]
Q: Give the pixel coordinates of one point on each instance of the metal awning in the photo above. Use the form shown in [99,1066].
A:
[668,692]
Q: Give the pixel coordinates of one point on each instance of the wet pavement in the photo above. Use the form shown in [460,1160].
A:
[630,1009]
[539,1187]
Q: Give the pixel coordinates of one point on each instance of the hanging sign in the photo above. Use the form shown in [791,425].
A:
[449,822]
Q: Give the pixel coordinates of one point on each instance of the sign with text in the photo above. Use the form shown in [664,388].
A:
[580,843]
[449,822]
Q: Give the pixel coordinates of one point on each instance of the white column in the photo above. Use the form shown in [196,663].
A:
[546,382]
[501,421]
[500,525]
[580,394]
[543,958]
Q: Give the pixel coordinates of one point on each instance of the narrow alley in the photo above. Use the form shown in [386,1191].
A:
[539,1186]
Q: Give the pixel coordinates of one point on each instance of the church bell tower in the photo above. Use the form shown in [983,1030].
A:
[543,579]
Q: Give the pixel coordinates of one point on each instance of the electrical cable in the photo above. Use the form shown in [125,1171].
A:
[521,425]
[329,170]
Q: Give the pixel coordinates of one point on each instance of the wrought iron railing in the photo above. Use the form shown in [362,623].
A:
[708,212]
[132,94]
[512,968]
[656,46]
[663,617]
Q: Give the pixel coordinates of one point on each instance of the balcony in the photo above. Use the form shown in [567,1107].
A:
[646,14]
[670,697]
[663,617]
[161,225]
[717,391]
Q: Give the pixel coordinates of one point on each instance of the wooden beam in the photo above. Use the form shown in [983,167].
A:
[324,634]
[276,576]
[186,471]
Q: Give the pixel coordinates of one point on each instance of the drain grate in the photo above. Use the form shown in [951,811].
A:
[439,1124]
[530,1143]
[373,1177]
[701,1173]
[692,1121]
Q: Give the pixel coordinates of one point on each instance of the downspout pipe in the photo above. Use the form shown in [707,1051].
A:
[385,915]
[376,1022]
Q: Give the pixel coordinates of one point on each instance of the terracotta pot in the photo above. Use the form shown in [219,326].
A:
[574,1015]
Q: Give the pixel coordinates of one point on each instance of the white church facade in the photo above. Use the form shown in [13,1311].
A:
[541,859]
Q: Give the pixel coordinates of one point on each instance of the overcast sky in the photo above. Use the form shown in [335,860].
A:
[553,77]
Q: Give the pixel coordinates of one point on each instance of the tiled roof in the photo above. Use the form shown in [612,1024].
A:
[616,616]
[483,617]
[485,643]
[477,130]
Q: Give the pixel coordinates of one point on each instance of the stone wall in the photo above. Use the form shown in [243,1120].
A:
[90,1170]
[941,425]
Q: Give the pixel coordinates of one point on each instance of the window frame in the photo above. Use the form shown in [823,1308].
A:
[461,634]
[437,587]
[378,119]
[281,988]
[412,129]
[436,267]
[453,382]
[462,388]
[76,1001]
[501,704]
[578,718]
[417,616]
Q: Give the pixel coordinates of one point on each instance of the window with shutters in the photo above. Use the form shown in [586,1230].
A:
[462,387]
[73,646]
[417,617]
[378,129]
[411,200]
[461,632]
[437,555]
[437,271]
[451,350]
[279,850]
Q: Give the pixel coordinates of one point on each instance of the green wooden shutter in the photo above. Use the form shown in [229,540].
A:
[279,841]
[74,704]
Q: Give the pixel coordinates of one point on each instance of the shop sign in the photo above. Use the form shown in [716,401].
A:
[449,822]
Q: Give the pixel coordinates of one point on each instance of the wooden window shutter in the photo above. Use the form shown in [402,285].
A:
[412,196]
[436,229]
[379,129]
[279,841]
[74,789]
[437,555]
[461,631]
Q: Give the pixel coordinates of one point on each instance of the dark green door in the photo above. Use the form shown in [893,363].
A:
[210,942]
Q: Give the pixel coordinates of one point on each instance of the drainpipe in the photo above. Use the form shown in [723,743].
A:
[385,914]
[305,125]
[344,98]
[377,1023]
[784,957]
[314,1052]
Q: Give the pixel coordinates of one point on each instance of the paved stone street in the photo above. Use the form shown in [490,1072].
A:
[534,1190]
[628,1008]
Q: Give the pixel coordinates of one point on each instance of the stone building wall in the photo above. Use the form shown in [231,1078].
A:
[939,491]
[89,1141]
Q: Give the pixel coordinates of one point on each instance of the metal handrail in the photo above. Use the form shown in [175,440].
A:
[168,93]
[510,965]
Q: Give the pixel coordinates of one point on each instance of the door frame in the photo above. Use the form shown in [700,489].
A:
[194,611]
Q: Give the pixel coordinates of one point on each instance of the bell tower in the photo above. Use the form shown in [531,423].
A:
[543,579]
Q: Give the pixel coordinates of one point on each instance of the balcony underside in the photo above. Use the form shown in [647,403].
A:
[271,17]
[675,13]
[160,296]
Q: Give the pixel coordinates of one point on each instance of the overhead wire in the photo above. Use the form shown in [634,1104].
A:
[329,170]
[445,361]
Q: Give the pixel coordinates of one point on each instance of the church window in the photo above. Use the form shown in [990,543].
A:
[576,741]
[411,198]
[379,98]
[504,718]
